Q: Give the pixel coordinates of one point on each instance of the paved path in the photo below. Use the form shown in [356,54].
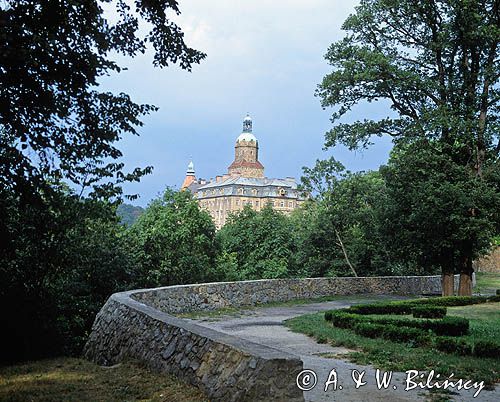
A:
[265,326]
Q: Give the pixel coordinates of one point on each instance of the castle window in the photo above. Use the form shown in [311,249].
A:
[237,202]
[257,203]
[254,191]
[240,191]
[290,204]
[282,204]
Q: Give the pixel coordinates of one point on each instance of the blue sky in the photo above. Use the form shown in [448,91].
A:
[263,57]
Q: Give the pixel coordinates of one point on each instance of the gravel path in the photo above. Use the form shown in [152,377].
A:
[265,326]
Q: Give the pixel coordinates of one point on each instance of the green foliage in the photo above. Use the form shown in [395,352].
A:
[397,356]
[53,55]
[62,253]
[453,345]
[262,242]
[344,227]
[485,348]
[428,312]
[435,63]
[440,210]
[173,242]
[61,261]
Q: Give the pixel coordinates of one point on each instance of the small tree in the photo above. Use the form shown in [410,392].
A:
[263,243]
[173,242]
[345,219]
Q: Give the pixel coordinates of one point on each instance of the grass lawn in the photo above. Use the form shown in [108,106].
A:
[387,355]
[487,283]
[70,379]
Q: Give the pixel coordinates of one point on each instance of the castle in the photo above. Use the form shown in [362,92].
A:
[244,183]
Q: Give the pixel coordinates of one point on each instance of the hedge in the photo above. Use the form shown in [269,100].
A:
[451,326]
[441,331]
[405,307]
[428,311]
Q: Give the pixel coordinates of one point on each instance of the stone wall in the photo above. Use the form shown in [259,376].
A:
[137,324]
[225,367]
[213,296]
[489,263]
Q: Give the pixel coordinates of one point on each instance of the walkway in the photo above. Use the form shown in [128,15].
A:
[265,326]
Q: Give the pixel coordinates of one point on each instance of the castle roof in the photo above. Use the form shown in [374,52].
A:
[252,181]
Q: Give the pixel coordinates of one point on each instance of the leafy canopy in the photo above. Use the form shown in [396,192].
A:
[56,123]
[435,62]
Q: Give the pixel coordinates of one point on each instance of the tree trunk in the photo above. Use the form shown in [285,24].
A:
[341,244]
[447,283]
[466,270]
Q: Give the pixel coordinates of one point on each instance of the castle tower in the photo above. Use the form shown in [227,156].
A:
[246,154]
[190,176]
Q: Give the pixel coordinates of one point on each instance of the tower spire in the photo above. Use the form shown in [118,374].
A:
[190,176]
[247,124]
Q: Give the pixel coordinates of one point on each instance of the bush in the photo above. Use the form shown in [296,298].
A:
[448,326]
[381,308]
[369,330]
[452,345]
[428,312]
[415,336]
[487,349]
[498,292]
[343,319]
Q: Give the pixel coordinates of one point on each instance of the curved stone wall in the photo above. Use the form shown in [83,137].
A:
[137,324]
[213,296]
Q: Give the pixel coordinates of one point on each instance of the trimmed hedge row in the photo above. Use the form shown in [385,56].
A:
[405,307]
[481,348]
[415,336]
[439,333]
[450,326]
[428,312]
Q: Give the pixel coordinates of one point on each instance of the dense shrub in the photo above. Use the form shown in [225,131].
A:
[485,348]
[452,345]
[406,306]
[415,336]
[448,326]
[382,308]
[368,329]
[428,312]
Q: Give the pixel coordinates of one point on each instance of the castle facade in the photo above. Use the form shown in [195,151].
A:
[244,183]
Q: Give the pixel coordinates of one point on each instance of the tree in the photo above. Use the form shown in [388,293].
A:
[59,262]
[262,242]
[173,242]
[343,222]
[52,54]
[62,252]
[437,65]
[428,204]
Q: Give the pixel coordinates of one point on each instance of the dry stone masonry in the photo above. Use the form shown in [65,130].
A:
[138,324]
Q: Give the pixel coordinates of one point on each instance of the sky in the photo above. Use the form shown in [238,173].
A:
[264,58]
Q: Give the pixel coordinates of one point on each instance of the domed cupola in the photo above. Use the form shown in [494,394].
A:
[247,134]
[246,153]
